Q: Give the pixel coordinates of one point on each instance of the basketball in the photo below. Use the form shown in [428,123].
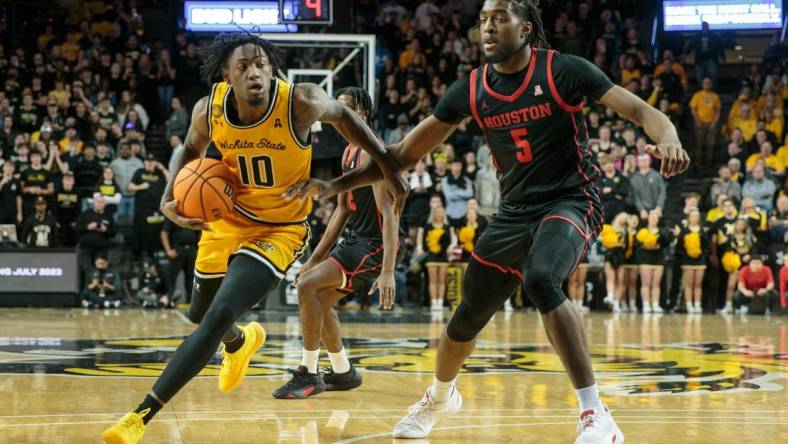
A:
[205,189]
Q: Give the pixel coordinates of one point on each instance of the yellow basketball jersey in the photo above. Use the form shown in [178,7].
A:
[267,157]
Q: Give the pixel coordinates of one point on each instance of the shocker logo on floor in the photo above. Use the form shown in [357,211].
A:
[629,370]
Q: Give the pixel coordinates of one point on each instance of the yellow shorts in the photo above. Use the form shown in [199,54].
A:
[275,246]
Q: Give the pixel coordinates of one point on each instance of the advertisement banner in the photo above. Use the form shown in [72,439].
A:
[38,271]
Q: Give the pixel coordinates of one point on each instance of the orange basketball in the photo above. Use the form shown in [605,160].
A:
[205,189]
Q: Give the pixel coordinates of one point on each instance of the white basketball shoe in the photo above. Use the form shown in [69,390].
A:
[597,427]
[423,415]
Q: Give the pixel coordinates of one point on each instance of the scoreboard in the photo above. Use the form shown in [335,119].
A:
[307,12]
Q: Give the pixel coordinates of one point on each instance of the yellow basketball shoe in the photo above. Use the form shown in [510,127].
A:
[128,430]
[234,365]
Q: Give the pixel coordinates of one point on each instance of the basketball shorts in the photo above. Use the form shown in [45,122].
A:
[507,241]
[360,260]
[274,246]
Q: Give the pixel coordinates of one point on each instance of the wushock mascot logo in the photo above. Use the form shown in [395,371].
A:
[628,370]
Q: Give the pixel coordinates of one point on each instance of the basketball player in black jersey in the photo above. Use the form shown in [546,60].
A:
[370,251]
[527,100]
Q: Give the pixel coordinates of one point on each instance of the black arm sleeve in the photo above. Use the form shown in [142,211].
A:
[455,104]
[576,78]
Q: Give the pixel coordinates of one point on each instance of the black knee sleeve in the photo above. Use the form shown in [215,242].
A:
[203,292]
[553,256]
[484,290]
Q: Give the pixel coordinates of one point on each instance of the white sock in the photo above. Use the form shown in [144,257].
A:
[440,390]
[588,398]
[309,359]
[339,361]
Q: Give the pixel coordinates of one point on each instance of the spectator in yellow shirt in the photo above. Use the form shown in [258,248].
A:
[782,152]
[774,121]
[630,71]
[59,95]
[670,65]
[768,98]
[745,96]
[705,106]
[412,55]
[71,142]
[745,121]
[70,49]
[770,161]
[716,213]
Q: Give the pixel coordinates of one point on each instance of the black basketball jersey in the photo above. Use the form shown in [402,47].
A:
[538,140]
[365,219]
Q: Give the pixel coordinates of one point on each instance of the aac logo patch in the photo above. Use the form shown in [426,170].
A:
[627,370]
[265,246]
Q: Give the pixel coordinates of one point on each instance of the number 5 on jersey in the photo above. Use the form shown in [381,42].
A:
[524,154]
[262,171]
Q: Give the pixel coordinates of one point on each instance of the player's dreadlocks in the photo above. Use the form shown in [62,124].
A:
[527,10]
[361,100]
[217,53]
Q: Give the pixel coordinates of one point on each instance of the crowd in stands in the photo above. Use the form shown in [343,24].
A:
[80,101]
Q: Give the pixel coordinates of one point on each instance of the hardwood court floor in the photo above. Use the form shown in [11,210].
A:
[66,374]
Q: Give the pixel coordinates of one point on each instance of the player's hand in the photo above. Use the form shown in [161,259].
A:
[397,191]
[170,210]
[172,254]
[308,265]
[312,187]
[387,286]
[674,159]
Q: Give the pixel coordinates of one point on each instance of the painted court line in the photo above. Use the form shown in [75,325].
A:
[242,412]
[622,420]
[527,424]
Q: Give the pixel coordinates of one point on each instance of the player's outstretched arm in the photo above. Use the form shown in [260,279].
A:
[312,104]
[336,225]
[657,125]
[385,282]
[422,139]
[197,141]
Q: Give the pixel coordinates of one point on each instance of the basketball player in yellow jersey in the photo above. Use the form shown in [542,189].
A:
[260,124]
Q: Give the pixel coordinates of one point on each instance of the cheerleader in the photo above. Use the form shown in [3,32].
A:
[433,241]
[737,249]
[691,247]
[650,243]
[468,232]
[629,282]
[612,237]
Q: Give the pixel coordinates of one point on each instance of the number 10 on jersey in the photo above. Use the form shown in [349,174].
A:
[256,171]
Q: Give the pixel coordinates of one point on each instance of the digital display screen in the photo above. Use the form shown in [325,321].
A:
[43,271]
[688,15]
[307,11]
[232,16]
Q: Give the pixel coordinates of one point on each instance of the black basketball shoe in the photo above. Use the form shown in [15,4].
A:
[341,381]
[301,386]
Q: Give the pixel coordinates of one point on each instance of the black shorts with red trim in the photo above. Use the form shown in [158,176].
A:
[508,238]
[360,259]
